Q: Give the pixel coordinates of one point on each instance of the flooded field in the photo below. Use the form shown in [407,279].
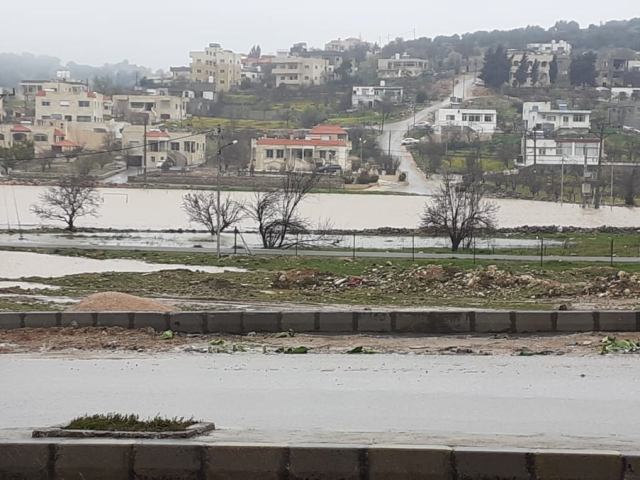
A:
[161,209]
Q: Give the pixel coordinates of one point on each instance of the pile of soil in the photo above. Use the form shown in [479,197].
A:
[119,302]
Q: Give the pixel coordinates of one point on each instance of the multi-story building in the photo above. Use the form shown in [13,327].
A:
[619,69]
[625,93]
[481,121]
[214,65]
[2,112]
[323,145]
[30,88]
[541,149]
[543,61]
[626,114]
[300,71]
[560,47]
[369,97]
[401,66]
[175,148]
[46,139]
[151,108]
[542,116]
[180,74]
[69,105]
[345,45]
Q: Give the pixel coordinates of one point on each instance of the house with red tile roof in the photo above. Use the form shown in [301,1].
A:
[322,145]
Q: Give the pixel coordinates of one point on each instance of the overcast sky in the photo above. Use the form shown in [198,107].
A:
[160,33]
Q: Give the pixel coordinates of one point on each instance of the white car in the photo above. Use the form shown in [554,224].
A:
[410,141]
[423,125]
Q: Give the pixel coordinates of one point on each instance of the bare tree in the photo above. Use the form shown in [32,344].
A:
[458,211]
[202,208]
[277,212]
[73,198]
[83,166]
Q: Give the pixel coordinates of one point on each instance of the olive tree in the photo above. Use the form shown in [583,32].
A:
[71,199]
[458,211]
[202,208]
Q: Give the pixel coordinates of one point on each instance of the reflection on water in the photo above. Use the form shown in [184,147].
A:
[161,209]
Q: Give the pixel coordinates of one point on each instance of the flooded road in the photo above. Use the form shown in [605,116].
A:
[15,265]
[161,209]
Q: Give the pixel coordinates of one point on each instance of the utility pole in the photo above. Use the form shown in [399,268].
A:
[144,148]
[562,182]
[596,197]
[389,142]
[218,192]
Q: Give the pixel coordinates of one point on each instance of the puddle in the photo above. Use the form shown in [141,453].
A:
[27,285]
[16,265]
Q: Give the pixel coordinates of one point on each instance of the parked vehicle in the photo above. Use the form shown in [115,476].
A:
[329,169]
[410,141]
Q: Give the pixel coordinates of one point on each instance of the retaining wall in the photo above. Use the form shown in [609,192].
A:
[181,461]
[366,321]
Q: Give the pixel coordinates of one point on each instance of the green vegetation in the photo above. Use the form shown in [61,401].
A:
[613,345]
[114,422]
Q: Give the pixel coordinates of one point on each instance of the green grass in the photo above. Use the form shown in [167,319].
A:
[209,123]
[114,422]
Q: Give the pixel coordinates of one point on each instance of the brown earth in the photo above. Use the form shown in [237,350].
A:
[119,302]
[96,339]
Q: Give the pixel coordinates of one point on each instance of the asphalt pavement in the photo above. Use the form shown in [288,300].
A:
[535,402]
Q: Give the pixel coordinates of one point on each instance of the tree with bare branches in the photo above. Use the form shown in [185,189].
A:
[277,212]
[202,208]
[459,211]
[73,198]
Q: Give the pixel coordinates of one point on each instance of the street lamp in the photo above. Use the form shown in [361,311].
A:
[362,142]
[220,149]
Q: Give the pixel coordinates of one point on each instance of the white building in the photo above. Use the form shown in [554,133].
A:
[368,97]
[158,108]
[300,71]
[625,93]
[69,105]
[543,61]
[558,151]
[541,116]
[481,121]
[179,148]
[219,67]
[560,47]
[323,145]
[345,45]
[401,66]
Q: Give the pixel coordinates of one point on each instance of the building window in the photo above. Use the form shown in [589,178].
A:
[323,154]
[68,118]
[488,118]
[165,116]
[40,137]
[578,118]
[1,136]
[84,118]
[280,153]
[46,103]
[84,103]
[451,118]
[269,153]
[137,105]
[175,146]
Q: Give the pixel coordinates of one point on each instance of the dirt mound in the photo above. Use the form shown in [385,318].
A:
[297,279]
[119,302]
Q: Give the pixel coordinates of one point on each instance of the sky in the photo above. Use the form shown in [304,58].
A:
[161,33]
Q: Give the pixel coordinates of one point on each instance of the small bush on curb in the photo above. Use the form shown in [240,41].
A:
[114,422]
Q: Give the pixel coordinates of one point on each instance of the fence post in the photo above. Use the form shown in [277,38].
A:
[474,251]
[354,245]
[235,241]
[541,251]
[611,251]
[297,242]
[413,247]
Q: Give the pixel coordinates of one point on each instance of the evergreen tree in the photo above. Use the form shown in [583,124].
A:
[582,71]
[522,73]
[553,70]
[495,71]
[535,73]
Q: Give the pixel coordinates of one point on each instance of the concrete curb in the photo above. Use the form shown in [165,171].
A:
[369,321]
[155,460]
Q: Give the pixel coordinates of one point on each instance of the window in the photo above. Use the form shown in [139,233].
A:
[323,154]
[46,103]
[165,116]
[280,153]
[137,105]
[154,147]
[451,118]
[84,103]
[40,137]
[578,118]
[68,118]
[1,136]
[488,118]
[84,118]
[269,153]
[551,118]
[175,146]
[471,118]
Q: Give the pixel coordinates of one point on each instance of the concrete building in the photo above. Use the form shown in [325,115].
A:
[216,66]
[30,88]
[560,47]
[46,139]
[542,116]
[619,69]
[625,93]
[155,108]
[300,71]
[542,150]
[481,121]
[323,145]
[180,74]
[543,60]
[626,114]
[401,66]
[69,105]
[340,45]
[177,148]
[369,97]
[2,111]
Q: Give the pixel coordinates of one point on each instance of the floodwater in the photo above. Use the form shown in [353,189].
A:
[194,240]
[16,265]
[161,209]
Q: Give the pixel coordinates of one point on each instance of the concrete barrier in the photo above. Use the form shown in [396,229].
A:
[169,460]
[41,319]
[325,321]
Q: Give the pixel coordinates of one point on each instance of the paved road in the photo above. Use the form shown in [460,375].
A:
[572,402]
[416,180]
[331,253]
